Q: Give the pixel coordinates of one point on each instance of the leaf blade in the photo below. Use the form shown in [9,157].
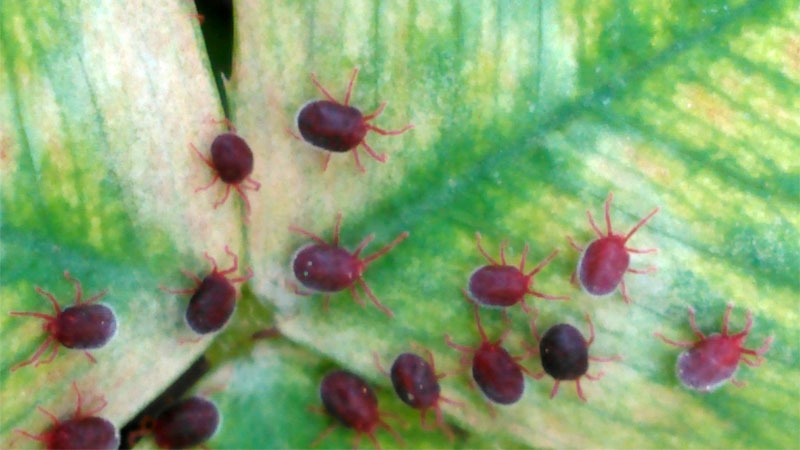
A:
[97,180]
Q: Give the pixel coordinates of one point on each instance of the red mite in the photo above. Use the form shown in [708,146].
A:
[184,424]
[350,400]
[82,431]
[498,374]
[417,384]
[187,423]
[232,162]
[606,260]
[338,127]
[564,353]
[499,284]
[329,268]
[712,360]
[213,298]
[84,326]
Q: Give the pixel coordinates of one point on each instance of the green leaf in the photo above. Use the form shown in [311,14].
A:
[268,387]
[97,106]
[526,115]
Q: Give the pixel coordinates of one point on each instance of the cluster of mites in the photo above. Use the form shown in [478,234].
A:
[327,267]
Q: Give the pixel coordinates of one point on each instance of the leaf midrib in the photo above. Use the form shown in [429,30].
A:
[439,191]
[434,194]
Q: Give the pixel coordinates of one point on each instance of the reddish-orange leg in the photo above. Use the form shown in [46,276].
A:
[198,282]
[196,15]
[247,184]
[529,276]
[367,118]
[468,353]
[79,413]
[589,342]
[357,439]
[609,233]
[436,406]
[725,333]
[356,254]
[214,269]
[50,323]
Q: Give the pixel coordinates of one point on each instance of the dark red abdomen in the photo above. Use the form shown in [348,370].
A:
[414,381]
[350,400]
[211,305]
[187,423]
[85,326]
[603,263]
[87,433]
[232,157]
[564,353]
[498,285]
[497,374]
[709,363]
[331,126]
[325,268]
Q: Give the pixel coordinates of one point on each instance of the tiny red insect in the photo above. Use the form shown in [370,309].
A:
[183,424]
[84,326]
[497,373]
[82,431]
[503,285]
[712,360]
[232,162]
[213,298]
[350,400]
[417,384]
[187,423]
[606,259]
[338,127]
[329,268]
[564,353]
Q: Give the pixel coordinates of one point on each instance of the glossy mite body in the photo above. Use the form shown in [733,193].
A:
[338,127]
[564,354]
[84,326]
[82,431]
[604,262]
[711,360]
[416,383]
[327,268]
[497,373]
[186,423]
[502,285]
[213,298]
[352,402]
[332,126]
[232,162]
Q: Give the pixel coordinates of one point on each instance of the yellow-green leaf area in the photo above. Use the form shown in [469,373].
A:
[98,103]
[526,115]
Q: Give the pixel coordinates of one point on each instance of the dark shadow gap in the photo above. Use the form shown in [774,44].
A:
[217,27]
[176,391]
